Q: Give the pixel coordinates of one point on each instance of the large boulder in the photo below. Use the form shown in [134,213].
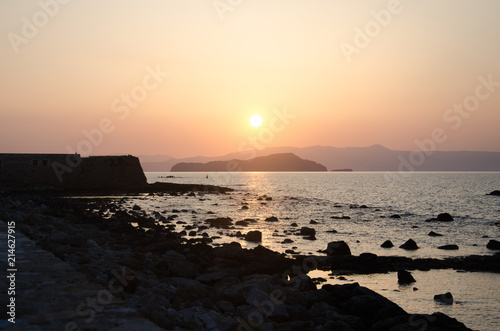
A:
[405,277]
[493,244]
[410,245]
[338,248]
[446,298]
[253,236]
[305,231]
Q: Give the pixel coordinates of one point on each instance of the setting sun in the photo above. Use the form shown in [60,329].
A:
[256,121]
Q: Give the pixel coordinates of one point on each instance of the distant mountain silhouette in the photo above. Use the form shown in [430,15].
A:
[372,158]
[274,162]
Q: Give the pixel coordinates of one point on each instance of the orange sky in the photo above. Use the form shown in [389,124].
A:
[183,77]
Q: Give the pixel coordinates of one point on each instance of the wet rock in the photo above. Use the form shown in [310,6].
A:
[395,216]
[305,231]
[387,244]
[410,245]
[444,217]
[434,234]
[220,221]
[496,192]
[493,244]
[253,236]
[272,219]
[446,298]
[405,277]
[338,248]
[448,247]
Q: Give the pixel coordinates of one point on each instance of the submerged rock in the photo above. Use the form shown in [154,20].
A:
[405,277]
[338,248]
[448,247]
[446,298]
[410,245]
[493,244]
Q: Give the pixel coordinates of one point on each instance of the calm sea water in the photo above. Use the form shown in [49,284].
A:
[369,199]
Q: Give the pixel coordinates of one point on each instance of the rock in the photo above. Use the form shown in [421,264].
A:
[313,222]
[272,219]
[395,216]
[305,231]
[312,237]
[446,298]
[244,207]
[496,192]
[493,244]
[254,236]
[220,221]
[448,247]
[332,231]
[287,241]
[136,207]
[410,245]
[225,306]
[242,223]
[338,248]
[294,224]
[387,244]
[367,256]
[434,234]
[405,277]
[444,217]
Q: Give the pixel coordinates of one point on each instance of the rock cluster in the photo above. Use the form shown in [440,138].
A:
[182,284]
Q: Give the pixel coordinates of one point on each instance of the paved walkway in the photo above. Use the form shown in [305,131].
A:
[51,295]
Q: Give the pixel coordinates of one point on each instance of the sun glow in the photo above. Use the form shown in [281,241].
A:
[256,121]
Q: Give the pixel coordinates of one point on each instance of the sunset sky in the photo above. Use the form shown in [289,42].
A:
[183,77]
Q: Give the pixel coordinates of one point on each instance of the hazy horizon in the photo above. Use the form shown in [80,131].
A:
[183,79]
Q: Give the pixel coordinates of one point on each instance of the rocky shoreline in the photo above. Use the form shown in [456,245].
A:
[186,284]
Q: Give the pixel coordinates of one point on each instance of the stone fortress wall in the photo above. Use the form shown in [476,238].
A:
[70,171]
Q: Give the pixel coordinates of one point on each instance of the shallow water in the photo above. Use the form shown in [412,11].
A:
[302,197]
[476,294]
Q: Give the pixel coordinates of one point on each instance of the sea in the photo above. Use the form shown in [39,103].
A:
[361,208]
